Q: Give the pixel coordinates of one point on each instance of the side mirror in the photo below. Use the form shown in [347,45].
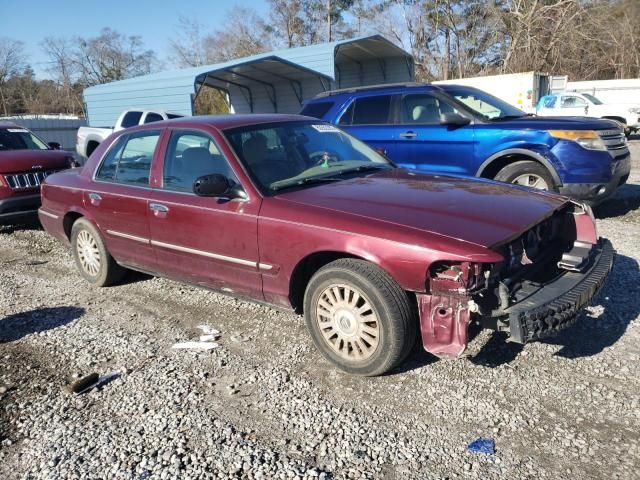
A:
[54,146]
[586,109]
[217,185]
[453,119]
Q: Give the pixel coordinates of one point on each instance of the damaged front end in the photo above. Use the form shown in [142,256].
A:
[548,274]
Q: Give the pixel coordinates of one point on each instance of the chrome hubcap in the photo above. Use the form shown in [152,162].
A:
[347,322]
[531,180]
[88,253]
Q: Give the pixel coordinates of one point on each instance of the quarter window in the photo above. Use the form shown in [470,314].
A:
[191,155]
[129,160]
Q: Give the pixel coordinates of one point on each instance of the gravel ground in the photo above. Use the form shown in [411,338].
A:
[271,407]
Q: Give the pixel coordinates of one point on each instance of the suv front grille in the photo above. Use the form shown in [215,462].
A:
[20,181]
[615,142]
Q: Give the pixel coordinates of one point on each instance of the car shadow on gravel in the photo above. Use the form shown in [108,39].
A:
[33,224]
[626,199]
[590,334]
[19,325]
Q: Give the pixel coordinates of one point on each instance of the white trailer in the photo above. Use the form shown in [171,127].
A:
[522,90]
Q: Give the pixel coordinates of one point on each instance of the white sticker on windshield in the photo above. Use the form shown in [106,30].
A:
[325,128]
[17,130]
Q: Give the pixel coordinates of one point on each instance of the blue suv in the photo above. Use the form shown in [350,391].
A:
[461,130]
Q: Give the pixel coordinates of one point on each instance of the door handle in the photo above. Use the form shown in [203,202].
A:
[408,134]
[95,198]
[158,207]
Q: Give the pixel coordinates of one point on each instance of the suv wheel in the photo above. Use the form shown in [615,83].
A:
[359,317]
[527,173]
[93,260]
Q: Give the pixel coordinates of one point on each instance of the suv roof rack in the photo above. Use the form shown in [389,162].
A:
[370,87]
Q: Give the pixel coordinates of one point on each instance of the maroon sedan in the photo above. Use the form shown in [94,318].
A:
[293,212]
[25,160]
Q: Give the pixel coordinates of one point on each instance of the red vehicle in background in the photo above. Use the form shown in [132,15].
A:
[25,161]
[292,211]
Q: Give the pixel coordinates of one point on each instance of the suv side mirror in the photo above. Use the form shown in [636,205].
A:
[217,185]
[54,145]
[453,119]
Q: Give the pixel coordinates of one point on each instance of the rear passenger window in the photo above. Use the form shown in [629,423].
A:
[191,155]
[130,119]
[368,111]
[129,160]
[153,117]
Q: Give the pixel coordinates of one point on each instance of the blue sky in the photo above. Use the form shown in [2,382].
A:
[154,20]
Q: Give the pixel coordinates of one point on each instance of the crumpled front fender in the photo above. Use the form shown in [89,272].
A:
[444,323]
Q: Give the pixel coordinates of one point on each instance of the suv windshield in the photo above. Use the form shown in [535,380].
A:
[594,100]
[297,154]
[20,139]
[484,104]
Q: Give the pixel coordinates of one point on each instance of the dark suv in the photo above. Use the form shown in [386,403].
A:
[462,130]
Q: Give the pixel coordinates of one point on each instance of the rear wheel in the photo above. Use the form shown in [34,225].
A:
[359,317]
[93,260]
[527,173]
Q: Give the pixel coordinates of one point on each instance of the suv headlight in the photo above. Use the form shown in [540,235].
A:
[588,139]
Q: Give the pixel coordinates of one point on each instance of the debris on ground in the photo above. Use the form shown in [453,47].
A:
[483,445]
[83,383]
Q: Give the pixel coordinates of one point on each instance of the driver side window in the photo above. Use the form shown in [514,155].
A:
[423,109]
[191,155]
[573,102]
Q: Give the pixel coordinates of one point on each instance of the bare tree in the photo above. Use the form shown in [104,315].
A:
[111,56]
[12,63]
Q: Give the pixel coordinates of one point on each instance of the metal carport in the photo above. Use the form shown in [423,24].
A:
[275,81]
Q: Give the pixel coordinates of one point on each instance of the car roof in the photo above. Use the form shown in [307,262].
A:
[227,121]
[390,88]
[5,125]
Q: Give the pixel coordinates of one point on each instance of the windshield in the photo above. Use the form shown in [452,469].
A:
[484,104]
[296,154]
[594,100]
[20,139]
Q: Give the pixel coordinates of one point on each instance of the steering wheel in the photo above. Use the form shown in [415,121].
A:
[324,157]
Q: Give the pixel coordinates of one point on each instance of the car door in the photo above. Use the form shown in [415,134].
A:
[117,201]
[573,106]
[426,144]
[208,241]
[369,118]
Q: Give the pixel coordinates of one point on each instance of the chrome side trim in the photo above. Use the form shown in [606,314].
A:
[216,256]
[47,214]
[265,266]
[128,236]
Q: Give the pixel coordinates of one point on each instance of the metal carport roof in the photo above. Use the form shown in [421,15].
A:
[278,80]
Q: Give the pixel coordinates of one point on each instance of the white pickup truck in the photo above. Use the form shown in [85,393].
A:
[575,104]
[89,138]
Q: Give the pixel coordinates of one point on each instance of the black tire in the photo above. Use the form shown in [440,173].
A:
[396,320]
[514,170]
[108,272]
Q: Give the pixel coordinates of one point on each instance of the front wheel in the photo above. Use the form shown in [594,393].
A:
[359,317]
[527,173]
[93,260]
